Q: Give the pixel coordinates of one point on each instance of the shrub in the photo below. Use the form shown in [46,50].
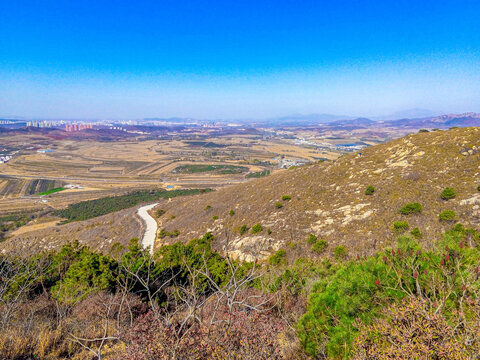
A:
[413,176]
[355,293]
[251,335]
[423,131]
[159,212]
[415,331]
[90,274]
[269,231]
[478,188]
[369,190]
[243,229]
[412,208]
[448,193]
[416,233]
[164,233]
[312,239]
[399,226]
[286,197]
[319,246]
[280,257]
[231,213]
[340,252]
[447,215]
[336,302]
[407,244]
[215,217]
[208,207]
[256,228]
[278,205]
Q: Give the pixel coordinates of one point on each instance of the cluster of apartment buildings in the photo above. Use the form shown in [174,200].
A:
[40,124]
[77,127]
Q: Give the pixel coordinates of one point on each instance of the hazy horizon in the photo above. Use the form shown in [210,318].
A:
[249,60]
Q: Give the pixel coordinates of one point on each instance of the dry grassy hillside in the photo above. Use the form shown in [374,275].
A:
[329,200]
[99,233]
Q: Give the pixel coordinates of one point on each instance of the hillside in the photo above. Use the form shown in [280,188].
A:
[328,199]
[98,233]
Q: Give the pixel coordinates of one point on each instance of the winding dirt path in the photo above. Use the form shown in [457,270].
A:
[148,239]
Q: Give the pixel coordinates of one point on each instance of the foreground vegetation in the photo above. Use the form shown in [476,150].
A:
[92,208]
[436,297]
[180,303]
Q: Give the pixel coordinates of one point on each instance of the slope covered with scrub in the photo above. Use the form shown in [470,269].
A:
[328,200]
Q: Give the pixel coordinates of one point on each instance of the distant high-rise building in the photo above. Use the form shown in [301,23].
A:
[40,124]
[77,127]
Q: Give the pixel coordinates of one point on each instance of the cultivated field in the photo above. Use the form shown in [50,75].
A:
[213,162]
[50,172]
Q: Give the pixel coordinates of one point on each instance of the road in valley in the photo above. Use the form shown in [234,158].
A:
[148,239]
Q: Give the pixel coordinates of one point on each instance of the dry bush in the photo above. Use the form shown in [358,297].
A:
[413,330]
[33,330]
[97,323]
[412,176]
[43,328]
[290,308]
[221,334]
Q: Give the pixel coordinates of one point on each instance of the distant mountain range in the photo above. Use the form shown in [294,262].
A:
[413,119]
[415,113]
[309,119]
[441,121]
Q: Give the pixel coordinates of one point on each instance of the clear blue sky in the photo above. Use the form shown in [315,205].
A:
[233,59]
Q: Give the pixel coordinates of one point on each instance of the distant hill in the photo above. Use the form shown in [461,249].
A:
[328,199]
[302,120]
[442,121]
[417,120]
[408,114]
[357,122]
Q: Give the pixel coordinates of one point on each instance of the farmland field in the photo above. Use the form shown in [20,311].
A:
[79,171]
[52,191]
[220,169]
[40,186]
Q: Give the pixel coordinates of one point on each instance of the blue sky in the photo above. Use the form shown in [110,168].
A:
[237,59]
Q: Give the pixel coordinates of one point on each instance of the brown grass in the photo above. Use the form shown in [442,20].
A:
[98,233]
[328,199]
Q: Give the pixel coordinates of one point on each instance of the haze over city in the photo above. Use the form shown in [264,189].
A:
[231,60]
